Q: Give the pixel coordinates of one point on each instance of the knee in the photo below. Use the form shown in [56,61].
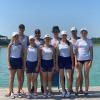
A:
[78,78]
[11,78]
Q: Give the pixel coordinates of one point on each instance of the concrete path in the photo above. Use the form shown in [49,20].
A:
[94,94]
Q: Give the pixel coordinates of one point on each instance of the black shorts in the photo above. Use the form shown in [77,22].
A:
[31,67]
[47,65]
[83,61]
[16,63]
[64,62]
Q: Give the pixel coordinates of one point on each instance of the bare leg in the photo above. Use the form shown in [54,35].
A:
[61,73]
[78,75]
[19,77]
[49,81]
[86,73]
[29,78]
[44,77]
[34,78]
[68,75]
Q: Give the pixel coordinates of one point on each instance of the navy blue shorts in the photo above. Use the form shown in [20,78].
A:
[16,63]
[31,67]
[64,62]
[47,65]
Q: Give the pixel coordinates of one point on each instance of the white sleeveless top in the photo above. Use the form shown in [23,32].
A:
[16,50]
[32,54]
[83,47]
[64,49]
[47,53]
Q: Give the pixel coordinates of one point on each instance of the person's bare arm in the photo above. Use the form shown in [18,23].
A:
[24,54]
[72,55]
[8,55]
[57,54]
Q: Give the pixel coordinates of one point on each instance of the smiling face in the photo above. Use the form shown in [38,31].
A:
[74,33]
[84,34]
[16,38]
[56,34]
[21,31]
[64,37]
[47,40]
[37,34]
[32,41]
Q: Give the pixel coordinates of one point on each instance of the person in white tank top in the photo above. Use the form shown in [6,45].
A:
[47,64]
[84,57]
[32,66]
[38,41]
[15,63]
[65,62]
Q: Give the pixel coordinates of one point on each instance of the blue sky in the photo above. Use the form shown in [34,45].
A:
[44,14]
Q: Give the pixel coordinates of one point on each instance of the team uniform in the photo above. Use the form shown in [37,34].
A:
[16,56]
[47,59]
[83,47]
[32,59]
[64,59]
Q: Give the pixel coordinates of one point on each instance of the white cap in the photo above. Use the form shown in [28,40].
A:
[47,36]
[63,33]
[31,37]
[14,34]
[73,29]
[83,29]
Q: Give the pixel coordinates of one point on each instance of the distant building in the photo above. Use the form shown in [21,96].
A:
[4,40]
[3,37]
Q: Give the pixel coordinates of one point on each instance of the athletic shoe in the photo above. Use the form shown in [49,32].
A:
[19,95]
[12,95]
[35,95]
[68,95]
[49,94]
[86,93]
[63,94]
[76,94]
[81,92]
[29,96]
[44,95]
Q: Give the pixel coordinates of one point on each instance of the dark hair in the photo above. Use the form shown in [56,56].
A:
[37,31]
[21,26]
[68,42]
[55,29]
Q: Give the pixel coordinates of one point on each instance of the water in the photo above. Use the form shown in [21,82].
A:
[94,72]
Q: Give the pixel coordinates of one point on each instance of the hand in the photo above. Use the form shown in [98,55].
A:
[24,67]
[37,69]
[76,64]
[9,67]
[72,67]
[90,63]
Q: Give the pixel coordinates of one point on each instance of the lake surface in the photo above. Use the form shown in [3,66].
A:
[94,72]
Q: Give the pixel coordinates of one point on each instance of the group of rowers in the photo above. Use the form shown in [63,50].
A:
[45,56]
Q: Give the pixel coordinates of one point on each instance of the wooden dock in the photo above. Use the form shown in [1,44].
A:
[94,94]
